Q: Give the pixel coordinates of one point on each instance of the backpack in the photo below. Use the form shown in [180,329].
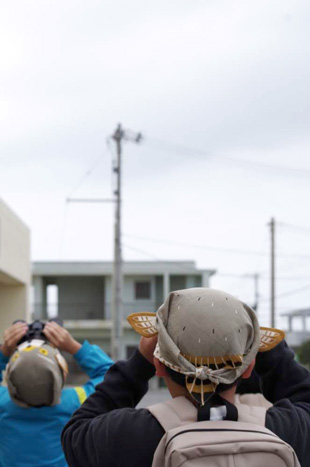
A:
[242,443]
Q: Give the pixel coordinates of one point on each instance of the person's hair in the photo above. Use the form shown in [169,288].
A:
[179,378]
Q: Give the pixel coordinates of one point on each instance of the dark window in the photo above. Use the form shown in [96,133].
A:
[143,289]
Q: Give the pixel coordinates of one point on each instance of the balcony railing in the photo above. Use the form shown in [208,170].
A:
[83,311]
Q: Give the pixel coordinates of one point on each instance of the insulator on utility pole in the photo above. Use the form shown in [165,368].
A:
[117,346]
[272,273]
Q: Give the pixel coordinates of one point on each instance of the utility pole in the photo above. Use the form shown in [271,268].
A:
[272,272]
[254,276]
[256,292]
[117,347]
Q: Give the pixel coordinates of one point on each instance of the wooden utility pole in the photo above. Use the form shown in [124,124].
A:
[272,273]
[117,346]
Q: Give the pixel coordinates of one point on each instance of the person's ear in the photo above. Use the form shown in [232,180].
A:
[248,371]
[160,368]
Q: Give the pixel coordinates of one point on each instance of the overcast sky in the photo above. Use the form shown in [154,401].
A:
[220,91]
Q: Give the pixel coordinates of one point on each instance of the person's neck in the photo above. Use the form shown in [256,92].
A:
[229,395]
[176,391]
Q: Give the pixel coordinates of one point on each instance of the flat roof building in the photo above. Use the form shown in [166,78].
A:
[295,337]
[80,293]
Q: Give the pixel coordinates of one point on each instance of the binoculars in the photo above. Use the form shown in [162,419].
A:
[35,329]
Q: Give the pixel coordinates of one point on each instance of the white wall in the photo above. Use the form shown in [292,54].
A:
[14,268]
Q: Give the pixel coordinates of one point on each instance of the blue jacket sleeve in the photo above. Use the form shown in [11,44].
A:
[3,362]
[95,362]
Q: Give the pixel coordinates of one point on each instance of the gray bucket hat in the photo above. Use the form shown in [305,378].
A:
[36,374]
[209,336]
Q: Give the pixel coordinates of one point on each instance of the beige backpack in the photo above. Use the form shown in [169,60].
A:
[245,443]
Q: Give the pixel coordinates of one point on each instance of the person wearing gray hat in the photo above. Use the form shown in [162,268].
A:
[203,342]
[35,406]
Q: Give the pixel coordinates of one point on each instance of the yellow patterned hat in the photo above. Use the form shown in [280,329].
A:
[36,374]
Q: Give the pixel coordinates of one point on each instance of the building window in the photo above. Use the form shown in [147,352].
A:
[143,290]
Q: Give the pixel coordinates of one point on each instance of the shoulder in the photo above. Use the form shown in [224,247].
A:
[70,399]
[124,436]
[291,422]
[134,424]
[286,416]
[139,433]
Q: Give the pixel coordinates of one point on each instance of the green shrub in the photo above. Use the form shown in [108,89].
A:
[303,353]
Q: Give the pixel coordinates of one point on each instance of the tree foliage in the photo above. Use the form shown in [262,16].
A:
[303,353]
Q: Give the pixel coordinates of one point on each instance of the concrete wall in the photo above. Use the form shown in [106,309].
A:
[14,246]
[13,305]
[80,297]
[130,303]
[14,268]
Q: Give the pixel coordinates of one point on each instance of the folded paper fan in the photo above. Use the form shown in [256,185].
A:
[269,338]
[143,323]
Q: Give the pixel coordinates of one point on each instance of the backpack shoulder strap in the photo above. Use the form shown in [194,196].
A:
[252,408]
[174,412]
[251,414]
[257,400]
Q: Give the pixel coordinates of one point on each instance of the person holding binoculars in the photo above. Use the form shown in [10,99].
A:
[35,406]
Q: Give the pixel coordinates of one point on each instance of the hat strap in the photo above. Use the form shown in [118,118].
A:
[216,400]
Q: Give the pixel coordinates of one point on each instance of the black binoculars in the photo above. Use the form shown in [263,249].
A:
[35,329]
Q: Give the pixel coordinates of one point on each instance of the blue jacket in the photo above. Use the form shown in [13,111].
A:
[31,437]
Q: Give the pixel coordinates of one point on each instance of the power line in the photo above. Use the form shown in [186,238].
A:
[205,247]
[219,249]
[156,258]
[138,250]
[85,175]
[195,153]
[293,292]
[289,292]
[249,275]
[289,278]
[237,276]
[299,229]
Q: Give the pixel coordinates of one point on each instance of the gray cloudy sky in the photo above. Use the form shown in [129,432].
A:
[220,91]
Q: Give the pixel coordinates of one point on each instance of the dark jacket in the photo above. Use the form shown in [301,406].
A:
[108,431]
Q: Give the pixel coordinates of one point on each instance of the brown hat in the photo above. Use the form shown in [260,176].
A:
[36,374]
[207,335]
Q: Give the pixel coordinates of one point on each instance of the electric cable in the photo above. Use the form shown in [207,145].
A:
[219,249]
[217,158]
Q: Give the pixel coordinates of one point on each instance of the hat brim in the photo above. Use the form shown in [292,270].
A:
[144,323]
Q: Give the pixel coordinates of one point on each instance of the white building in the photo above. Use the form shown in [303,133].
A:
[14,268]
[298,327]
[80,293]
